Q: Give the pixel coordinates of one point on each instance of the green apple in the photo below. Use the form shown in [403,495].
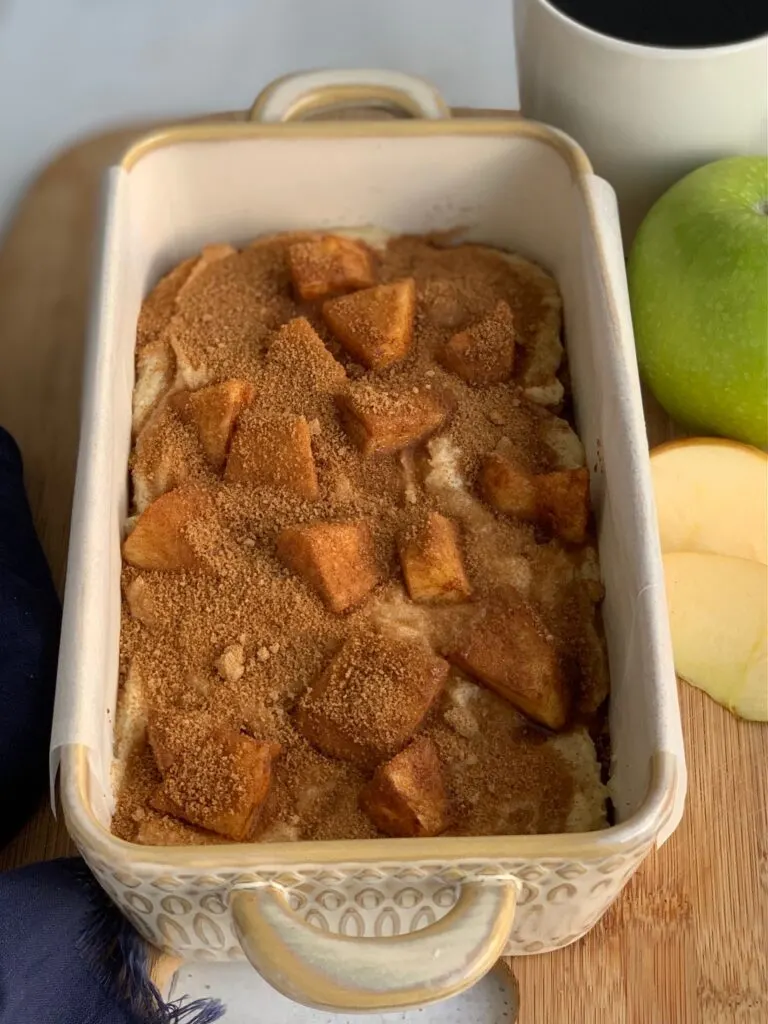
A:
[698,283]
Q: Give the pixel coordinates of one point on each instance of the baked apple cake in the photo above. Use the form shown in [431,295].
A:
[361,594]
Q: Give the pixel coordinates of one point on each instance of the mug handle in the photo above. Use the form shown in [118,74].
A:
[293,97]
[347,974]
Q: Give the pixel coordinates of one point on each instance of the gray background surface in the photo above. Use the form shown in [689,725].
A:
[69,67]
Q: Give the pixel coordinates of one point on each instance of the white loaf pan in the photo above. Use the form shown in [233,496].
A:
[386,923]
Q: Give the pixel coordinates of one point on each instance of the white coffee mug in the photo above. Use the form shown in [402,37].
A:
[645,115]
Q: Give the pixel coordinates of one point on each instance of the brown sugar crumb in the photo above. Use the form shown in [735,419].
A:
[461,284]
[163,830]
[503,777]
[231,663]
[226,316]
[349,418]
[176,735]
[314,797]
[208,254]
[160,305]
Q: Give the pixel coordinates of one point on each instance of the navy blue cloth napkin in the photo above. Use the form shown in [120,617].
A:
[67,955]
[29,639]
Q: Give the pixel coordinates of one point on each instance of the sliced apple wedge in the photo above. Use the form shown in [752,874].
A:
[718,613]
[712,495]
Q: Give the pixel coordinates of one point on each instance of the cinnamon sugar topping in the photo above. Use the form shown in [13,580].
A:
[272,658]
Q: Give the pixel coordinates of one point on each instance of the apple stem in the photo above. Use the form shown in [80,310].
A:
[762,207]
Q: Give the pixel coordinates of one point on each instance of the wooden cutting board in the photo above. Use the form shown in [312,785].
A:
[687,943]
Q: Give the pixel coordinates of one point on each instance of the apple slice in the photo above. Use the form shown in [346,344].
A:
[712,496]
[718,614]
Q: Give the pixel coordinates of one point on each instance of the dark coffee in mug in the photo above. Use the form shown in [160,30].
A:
[674,23]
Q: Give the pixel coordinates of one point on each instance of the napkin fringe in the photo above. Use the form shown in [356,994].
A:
[118,956]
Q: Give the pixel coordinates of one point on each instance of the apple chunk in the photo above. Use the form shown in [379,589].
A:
[712,496]
[718,614]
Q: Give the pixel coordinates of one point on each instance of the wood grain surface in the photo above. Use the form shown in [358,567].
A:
[687,942]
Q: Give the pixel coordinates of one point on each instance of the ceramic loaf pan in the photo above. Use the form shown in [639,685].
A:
[387,923]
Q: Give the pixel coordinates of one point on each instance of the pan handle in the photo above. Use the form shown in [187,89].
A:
[342,974]
[295,97]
